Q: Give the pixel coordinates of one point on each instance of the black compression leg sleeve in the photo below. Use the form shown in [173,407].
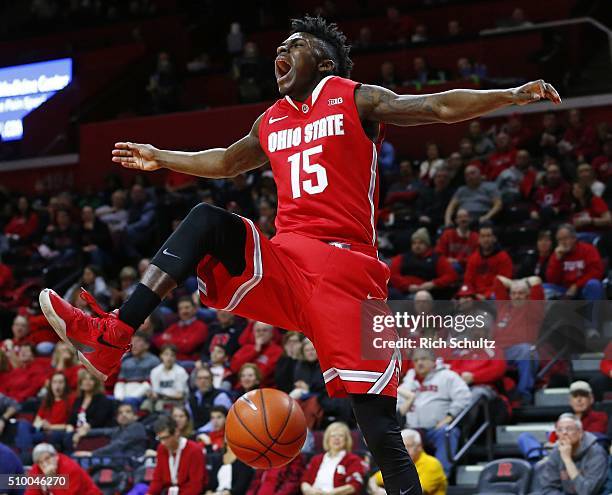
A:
[377,420]
[205,230]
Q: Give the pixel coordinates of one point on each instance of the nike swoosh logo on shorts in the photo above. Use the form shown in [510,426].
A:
[272,119]
[168,253]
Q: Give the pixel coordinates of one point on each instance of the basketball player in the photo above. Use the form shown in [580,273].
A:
[321,141]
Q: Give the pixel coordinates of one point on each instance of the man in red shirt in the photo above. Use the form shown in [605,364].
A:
[28,377]
[553,199]
[422,268]
[485,264]
[459,243]
[264,353]
[502,158]
[188,334]
[47,462]
[181,466]
[603,382]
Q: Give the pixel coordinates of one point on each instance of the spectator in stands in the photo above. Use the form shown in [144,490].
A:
[581,402]
[518,19]
[229,475]
[516,183]
[225,331]
[480,199]
[213,437]
[432,203]
[163,86]
[60,244]
[184,421]
[8,409]
[457,244]
[48,462]
[430,398]
[189,472]
[552,133]
[251,72]
[602,164]
[364,41]
[580,139]
[169,382]
[521,136]
[115,215]
[456,170]
[591,215]
[422,268]
[7,281]
[388,78]
[22,227]
[552,200]
[27,377]
[575,270]
[264,353]
[454,29]
[284,480]
[587,179]
[20,329]
[218,366]
[285,367]
[95,238]
[205,397]
[188,334]
[133,382]
[424,75]
[603,382]
[93,282]
[140,222]
[485,264]
[128,439]
[398,27]
[128,280]
[52,418]
[235,39]
[577,464]
[338,468]
[91,409]
[432,164]
[502,158]
[467,70]
[536,262]
[431,473]
[403,192]
[517,328]
[420,34]
[483,146]
[468,155]
[249,378]
[9,462]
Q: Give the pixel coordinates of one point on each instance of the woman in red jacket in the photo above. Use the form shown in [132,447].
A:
[591,215]
[337,471]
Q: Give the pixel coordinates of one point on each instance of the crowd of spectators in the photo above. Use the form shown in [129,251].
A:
[518,214]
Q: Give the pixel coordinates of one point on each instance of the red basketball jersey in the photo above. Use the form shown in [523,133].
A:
[324,165]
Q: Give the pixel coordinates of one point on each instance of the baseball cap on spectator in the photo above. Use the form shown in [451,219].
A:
[580,387]
[421,235]
[465,291]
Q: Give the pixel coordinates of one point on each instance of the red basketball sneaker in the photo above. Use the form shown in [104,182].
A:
[100,341]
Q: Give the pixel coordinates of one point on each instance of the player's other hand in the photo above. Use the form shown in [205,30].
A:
[535,91]
[138,156]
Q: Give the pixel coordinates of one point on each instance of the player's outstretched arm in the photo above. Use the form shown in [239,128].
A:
[382,105]
[217,163]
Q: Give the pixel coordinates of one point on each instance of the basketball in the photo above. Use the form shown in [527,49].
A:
[265,428]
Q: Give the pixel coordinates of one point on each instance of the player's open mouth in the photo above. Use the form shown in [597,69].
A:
[282,68]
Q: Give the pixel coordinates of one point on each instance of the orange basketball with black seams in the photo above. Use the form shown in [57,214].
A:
[265,428]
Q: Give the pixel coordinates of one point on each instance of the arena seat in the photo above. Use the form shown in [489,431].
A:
[92,443]
[505,476]
[112,480]
[551,396]
[508,434]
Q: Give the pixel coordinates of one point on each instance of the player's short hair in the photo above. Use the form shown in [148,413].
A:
[333,40]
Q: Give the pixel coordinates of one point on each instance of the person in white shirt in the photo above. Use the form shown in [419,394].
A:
[169,382]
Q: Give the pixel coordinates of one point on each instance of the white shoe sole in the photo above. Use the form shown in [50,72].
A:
[59,326]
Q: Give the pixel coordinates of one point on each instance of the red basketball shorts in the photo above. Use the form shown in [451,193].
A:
[317,288]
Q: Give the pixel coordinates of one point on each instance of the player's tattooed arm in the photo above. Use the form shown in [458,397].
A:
[216,163]
[382,105]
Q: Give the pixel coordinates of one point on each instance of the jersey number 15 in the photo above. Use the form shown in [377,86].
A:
[301,160]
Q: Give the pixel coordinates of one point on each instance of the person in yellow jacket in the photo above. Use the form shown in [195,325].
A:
[431,474]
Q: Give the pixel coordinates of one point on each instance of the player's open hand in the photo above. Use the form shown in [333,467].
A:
[134,155]
[535,91]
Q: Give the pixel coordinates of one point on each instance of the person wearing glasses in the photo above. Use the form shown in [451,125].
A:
[181,467]
[576,465]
